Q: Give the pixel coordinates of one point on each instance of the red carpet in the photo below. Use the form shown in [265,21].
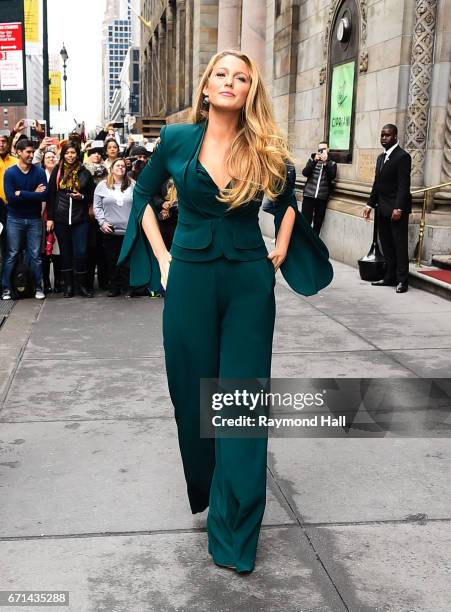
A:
[442,275]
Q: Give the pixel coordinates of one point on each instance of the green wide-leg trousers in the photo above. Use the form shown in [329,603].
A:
[218,322]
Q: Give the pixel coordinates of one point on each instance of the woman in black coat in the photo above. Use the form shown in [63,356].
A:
[70,196]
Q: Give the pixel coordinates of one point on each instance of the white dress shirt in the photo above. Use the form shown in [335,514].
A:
[387,154]
[389,151]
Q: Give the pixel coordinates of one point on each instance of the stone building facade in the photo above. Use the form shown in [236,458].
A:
[399,55]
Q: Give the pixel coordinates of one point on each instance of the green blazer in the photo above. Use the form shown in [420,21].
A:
[206,230]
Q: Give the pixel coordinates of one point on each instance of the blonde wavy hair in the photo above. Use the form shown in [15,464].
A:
[258,154]
[171,195]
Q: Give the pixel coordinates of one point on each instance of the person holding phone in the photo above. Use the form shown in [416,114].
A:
[46,144]
[71,190]
[320,171]
[113,198]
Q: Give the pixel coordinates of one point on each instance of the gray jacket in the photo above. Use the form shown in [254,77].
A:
[113,206]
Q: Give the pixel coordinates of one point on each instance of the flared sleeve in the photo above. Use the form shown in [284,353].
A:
[136,251]
[307,268]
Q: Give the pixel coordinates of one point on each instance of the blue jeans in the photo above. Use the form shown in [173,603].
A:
[73,241]
[23,234]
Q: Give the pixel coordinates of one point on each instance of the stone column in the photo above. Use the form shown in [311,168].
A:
[146,83]
[253,31]
[171,15]
[446,163]
[420,85]
[229,24]
[180,33]
[205,36]
[286,29]
[154,74]
[161,109]
[189,17]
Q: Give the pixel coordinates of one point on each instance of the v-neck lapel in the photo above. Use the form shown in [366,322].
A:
[196,159]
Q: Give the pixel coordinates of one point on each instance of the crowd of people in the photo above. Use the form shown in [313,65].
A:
[64,209]
[65,205]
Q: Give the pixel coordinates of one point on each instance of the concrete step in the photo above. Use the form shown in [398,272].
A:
[428,283]
[442,261]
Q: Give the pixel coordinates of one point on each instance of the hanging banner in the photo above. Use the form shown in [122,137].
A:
[341,106]
[55,94]
[31,13]
[11,57]
[13,88]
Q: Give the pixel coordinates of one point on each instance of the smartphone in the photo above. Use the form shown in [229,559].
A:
[54,141]
[118,125]
[29,123]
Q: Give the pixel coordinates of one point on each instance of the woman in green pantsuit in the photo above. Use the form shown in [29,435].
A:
[219,310]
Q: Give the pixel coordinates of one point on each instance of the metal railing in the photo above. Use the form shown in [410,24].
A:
[428,191]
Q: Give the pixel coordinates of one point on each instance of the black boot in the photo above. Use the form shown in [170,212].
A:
[46,273]
[82,284]
[68,282]
[56,274]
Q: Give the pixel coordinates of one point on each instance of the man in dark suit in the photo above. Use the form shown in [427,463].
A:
[391,197]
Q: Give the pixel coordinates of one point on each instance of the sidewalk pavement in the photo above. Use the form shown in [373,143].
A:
[92,491]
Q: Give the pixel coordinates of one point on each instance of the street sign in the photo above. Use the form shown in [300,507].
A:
[13,85]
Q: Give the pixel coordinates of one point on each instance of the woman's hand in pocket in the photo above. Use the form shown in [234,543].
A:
[277,257]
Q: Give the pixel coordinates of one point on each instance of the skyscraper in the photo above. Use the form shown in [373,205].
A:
[117,30]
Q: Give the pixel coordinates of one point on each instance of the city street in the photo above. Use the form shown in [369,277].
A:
[92,488]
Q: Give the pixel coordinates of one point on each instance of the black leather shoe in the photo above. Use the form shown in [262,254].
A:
[384,283]
[401,288]
[113,292]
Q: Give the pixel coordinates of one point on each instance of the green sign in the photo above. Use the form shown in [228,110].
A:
[341,107]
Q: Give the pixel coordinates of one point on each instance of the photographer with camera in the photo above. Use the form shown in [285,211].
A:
[320,172]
